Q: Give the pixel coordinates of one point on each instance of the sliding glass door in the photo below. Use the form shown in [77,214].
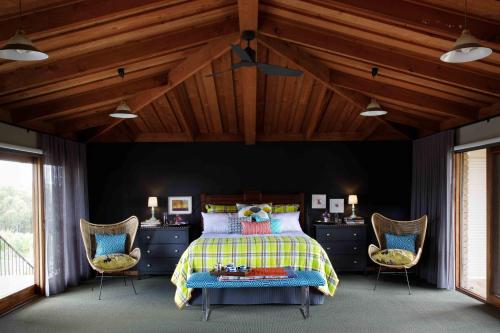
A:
[19,229]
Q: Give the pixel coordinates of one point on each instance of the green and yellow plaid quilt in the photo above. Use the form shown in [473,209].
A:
[300,252]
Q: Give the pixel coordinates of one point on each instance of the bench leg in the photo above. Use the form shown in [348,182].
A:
[306,301]
[205,307]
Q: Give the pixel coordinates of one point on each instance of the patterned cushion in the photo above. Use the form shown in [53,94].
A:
[114,261]
[108,244]
[394,257]
[289,208]
[221,208]
[262,210]
[276,225]
[235,226]
[404,242]
[256,228]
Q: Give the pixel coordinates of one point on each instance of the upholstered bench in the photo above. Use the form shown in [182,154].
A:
[304,279]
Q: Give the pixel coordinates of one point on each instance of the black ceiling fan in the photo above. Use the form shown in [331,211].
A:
[247,57]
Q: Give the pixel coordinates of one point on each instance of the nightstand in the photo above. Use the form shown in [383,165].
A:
[161,248]
[345,244]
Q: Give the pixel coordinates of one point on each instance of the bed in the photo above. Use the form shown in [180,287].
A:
[295,249]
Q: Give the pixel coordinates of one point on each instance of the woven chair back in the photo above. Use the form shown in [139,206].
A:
[382,225]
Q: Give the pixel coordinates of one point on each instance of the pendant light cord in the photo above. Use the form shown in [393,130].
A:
[20,15]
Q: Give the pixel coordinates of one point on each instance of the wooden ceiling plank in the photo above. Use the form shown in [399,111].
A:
[278,101]
[211,95]
[179,74]
[179,113]
[166,115]
[72,126]
[195,102]
[225,92]
[414,64]
[185,106]
[304,96]
[151,118]
[315,114]
[296,94]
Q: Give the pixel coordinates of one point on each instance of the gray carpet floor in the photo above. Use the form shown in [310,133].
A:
[355,308]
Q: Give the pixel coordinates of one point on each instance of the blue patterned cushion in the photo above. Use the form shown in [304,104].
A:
[235,226]
[108,244]
[402,242]
[275,224]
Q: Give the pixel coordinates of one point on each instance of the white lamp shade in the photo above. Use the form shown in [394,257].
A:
[123,111]
[373,109]
[353,199]
[152,202]
[20,48]
[465,49]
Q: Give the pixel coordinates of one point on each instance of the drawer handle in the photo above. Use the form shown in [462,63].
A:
[355,261]
[176,250]
[355,234]
[176,236]
[148,251]
[355,248]
[148,237]
[328,248]
[149,265]
[328,235]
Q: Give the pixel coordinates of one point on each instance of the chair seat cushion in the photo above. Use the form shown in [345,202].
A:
[396,257]
[115,261]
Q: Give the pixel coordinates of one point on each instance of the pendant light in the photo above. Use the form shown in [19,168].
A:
[466,47]
[123,111]
[20,47]
[373,109]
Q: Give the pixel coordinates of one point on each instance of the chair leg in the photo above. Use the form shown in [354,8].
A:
[100,288]
[124,278]
[407,282]
[133,286]
[378,275]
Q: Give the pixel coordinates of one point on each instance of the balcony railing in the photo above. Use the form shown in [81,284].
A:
[12,262]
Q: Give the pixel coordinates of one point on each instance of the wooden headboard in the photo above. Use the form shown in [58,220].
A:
[252,197]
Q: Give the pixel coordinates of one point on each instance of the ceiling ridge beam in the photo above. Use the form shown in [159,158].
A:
[185,69]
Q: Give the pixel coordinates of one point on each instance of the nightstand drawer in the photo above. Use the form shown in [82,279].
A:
[328,234]
[346,262]
[158,265]
[344,247]
[163,236]
[163,250]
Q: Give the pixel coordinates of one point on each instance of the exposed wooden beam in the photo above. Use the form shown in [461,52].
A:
[381,55]
[315,115]
[187,68]
[248,15]
[317,69]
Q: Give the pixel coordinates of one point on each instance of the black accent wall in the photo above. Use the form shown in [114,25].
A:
[122,176]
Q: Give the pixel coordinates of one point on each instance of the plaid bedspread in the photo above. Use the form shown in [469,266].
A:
[300,252]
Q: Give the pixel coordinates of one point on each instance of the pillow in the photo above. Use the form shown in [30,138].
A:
[114,261]
[289,221]
[394,257]
[288,208]
[235,226]
[256,228]
[262,210]
[403,242]
[215,223]
[109,244]
[275,224]
[221,208]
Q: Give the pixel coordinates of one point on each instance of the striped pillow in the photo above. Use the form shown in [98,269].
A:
[221,208]
[256,228]
[288,208]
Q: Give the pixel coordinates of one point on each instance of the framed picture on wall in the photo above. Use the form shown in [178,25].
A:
[319,201]
[180,205]
[336,206]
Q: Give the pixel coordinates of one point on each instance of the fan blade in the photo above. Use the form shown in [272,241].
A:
[278,70]
[241,53]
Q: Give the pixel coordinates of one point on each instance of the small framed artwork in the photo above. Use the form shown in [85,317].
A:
[319,201]
[336,205]
[180,205]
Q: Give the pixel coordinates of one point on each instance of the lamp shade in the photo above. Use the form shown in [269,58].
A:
[153,202]
[20,47]
[123,111]
[373,109]
[465,49]
[353,199]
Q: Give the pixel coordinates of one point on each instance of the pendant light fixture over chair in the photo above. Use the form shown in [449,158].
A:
[20,47]
[123,111]
[466,47]
[373,109]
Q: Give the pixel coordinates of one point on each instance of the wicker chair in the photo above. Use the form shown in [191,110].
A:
[382,225]
[129,227]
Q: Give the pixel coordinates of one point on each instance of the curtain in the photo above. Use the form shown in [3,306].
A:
[65,195]
[495,210]
[432,195]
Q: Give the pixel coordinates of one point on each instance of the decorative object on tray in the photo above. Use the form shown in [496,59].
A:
[353,200]
[355,220]
[244,273]
[180,205]
[319,201]
[337,207]
[326,217]
[153,203]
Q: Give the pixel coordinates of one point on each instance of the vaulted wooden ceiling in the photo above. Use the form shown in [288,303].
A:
[169,47]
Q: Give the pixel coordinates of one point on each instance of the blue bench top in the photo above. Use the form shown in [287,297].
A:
[303,278]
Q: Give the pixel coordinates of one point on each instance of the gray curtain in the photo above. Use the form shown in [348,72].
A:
[65,195]
[432,195]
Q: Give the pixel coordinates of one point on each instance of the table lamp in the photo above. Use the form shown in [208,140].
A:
[153,202]
[353,200]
